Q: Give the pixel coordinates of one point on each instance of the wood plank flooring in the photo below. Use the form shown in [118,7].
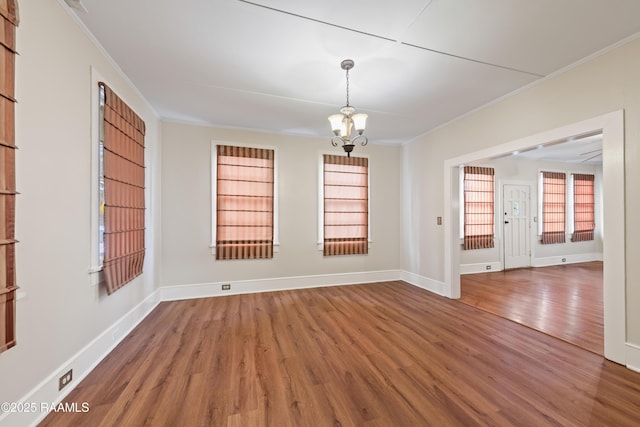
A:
[564,301]
[383,354]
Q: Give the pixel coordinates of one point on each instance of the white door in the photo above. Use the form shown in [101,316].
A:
[516,226]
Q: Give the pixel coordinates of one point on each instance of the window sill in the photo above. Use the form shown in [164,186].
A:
[94,275]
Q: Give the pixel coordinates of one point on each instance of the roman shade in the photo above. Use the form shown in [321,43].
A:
[553,207]
[244,204]
[8,285]
[479,212]
[584,222]
[124,182]
[346,205]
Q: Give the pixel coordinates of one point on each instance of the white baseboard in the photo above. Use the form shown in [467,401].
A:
[632,357]
[46,393]
[480,267]
[568,259]
[204,290]
[423,282]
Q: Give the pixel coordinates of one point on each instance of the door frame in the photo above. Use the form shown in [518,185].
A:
[611,125]
[532,214]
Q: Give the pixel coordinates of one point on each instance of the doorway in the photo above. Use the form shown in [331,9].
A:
[516,226]
[611,125]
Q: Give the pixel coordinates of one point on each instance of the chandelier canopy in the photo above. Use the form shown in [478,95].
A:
[342,124]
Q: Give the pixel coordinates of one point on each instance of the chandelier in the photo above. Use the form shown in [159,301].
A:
[343,123]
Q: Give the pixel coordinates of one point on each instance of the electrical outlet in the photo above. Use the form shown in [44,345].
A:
[564,260]
[488,267]
[226,287]
[65,379]
[439,220]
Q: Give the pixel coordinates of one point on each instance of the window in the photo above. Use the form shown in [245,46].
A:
[583,208]
[478,207]
[346,205]
[244,223]
[8,285]
[553,207]
[122,206]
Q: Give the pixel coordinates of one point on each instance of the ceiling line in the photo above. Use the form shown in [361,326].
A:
[272,95]
[419,14]
[318,21]
[477,61]
[390,39]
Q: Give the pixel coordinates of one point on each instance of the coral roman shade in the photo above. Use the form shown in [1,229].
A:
[478,207]
[124,204]
[244,204]
[553,207]
[583,208]
[346,205]
[8,286]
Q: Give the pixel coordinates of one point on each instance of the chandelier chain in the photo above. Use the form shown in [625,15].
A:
[347,87]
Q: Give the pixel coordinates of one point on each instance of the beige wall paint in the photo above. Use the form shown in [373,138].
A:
[61,312]
[186,207]
[602,85]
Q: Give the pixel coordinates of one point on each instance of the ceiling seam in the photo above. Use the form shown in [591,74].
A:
[390,39]
[477,61]
[318,21]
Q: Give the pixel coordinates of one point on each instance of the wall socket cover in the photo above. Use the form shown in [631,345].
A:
[65,379]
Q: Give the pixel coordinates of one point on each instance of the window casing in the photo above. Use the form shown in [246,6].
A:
[244,203]
[344,191]
[553,207]
[479,207]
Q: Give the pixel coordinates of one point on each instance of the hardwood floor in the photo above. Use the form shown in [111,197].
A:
[564,301]
[383,354]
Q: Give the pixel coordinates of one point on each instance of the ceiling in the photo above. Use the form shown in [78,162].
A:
[586,150]
[274,65]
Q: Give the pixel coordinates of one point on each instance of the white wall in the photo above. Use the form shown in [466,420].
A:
[61,312]
[526,171]
[602,85]
[186,206]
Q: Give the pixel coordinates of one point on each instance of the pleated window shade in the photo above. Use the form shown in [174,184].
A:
[346,205]
[554,190]
[244,204]
[583,208]
[124,204]
[479,207]
[8,285]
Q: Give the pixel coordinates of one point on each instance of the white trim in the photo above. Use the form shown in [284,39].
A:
[612,127]
[481,267]
[213,189]
[423,282]
[83,362]
[569,259]
[204,290]
[633,357]
[95,266]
